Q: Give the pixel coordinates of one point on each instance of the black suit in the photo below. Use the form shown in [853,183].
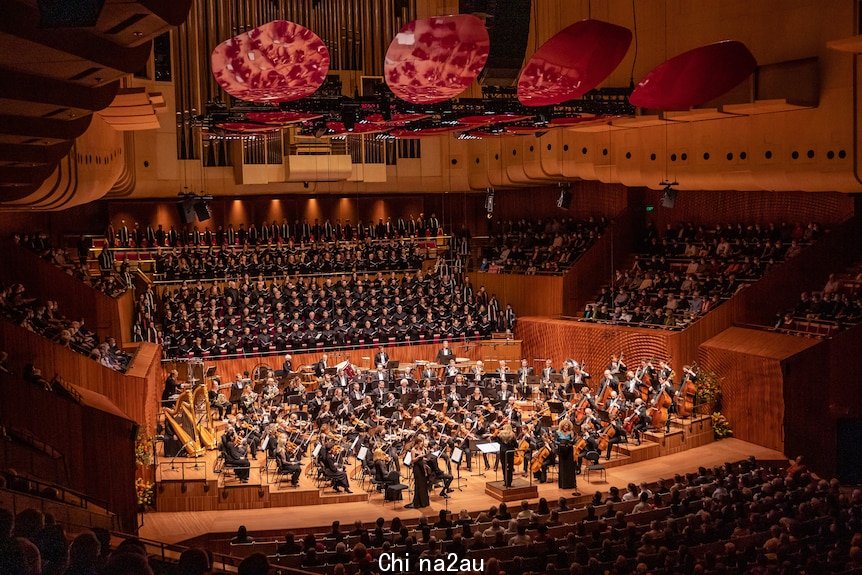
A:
[443,357]
[235,456]
[320,368]
[381,358]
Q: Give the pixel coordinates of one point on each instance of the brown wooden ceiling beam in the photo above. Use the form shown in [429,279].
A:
[26,174]
[22,21]
[37,154]
[44,127]
[173,12]
[30,88]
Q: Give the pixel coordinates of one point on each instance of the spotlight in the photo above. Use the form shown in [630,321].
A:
[489,202]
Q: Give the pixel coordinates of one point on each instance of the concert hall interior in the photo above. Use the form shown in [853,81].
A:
[478,286]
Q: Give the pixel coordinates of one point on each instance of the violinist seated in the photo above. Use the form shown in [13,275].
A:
[235,455]
[333,472]
[249,432]
[288,462]
[384,471]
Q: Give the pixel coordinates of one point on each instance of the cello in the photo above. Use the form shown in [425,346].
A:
[541,455]
[687,393]
[521,450]
[608,433]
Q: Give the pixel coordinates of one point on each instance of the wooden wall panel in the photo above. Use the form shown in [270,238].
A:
[752,394]
[97,447]
[709,207]
[135,395]
[588,343]
[527,294]
[596,267]
[780,287]
[105,315]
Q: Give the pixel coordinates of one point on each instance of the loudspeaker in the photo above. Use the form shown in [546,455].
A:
[186,209]
[69,13]
[202,210]
[508,24]
[668,198]
[565,200]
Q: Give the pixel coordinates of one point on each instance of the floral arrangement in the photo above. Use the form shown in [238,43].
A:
[143,447]
[721,426]
[145,493]
[708,389]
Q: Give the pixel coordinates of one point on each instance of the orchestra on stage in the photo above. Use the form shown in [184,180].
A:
[419,426]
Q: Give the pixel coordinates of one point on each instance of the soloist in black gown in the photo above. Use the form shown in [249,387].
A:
[420,484]
[565,462]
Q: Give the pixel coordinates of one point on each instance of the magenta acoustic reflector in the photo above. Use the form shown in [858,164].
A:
[573,62]
[279,61]
[435,59]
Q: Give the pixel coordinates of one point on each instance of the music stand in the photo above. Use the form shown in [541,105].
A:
[455,457]
[492,447]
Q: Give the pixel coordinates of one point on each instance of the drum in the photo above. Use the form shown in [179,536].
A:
[350,371]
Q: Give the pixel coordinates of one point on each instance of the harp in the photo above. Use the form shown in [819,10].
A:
[182,421]
[204,424]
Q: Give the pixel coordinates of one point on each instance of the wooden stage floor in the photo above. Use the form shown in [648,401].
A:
[175,527]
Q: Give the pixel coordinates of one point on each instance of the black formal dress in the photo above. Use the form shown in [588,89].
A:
[420,482]
[565,462]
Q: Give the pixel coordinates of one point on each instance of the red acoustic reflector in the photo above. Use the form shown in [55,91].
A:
[573,62]
[694,77]
[279,61]
[435,59]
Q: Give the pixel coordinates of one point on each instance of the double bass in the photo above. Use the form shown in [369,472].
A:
[658,411]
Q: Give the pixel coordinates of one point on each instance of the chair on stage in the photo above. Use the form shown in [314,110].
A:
[594,465]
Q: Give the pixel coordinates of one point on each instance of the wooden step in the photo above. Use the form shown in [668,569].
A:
[694,425]
[519,491]
[646,450]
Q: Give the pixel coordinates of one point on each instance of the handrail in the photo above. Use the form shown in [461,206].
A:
[312,349]
[300,246]
[285,275]
[171,552]
[81,500]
